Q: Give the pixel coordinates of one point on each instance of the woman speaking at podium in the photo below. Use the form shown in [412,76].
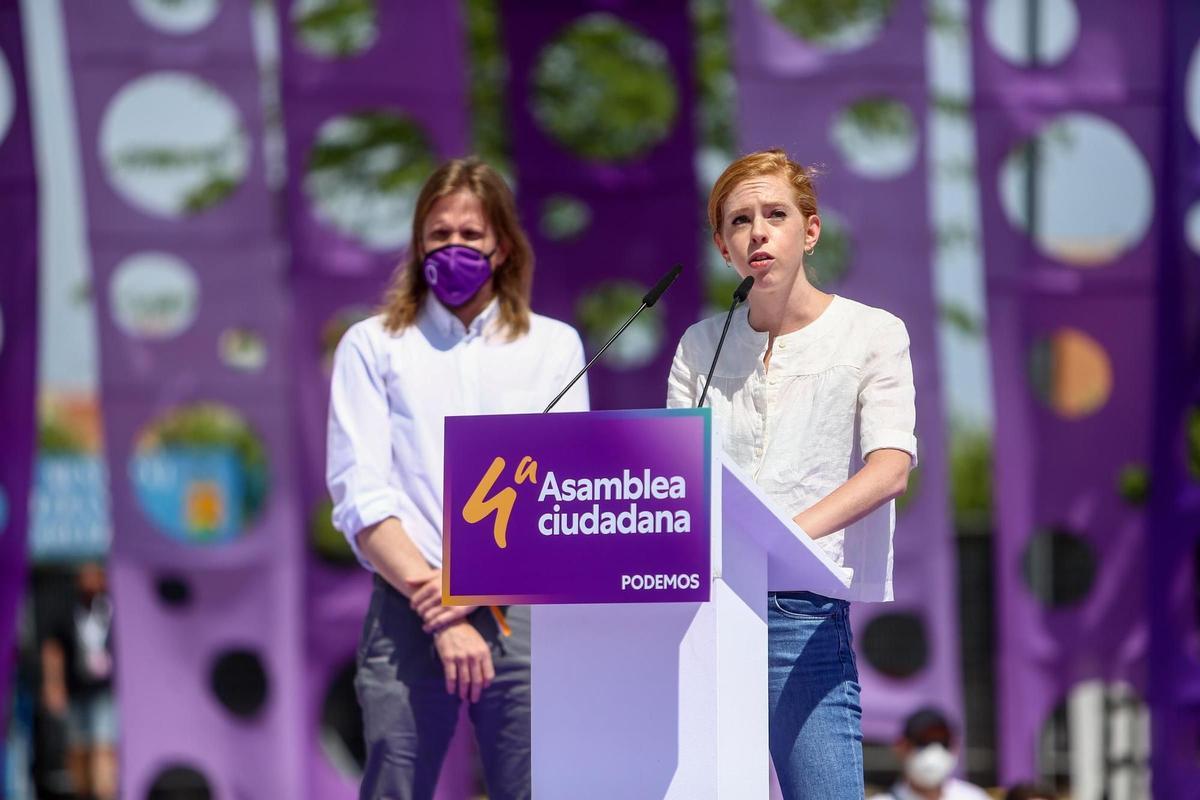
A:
[455,337]
[812,396]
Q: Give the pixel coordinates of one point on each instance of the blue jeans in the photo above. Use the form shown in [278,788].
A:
[813,691]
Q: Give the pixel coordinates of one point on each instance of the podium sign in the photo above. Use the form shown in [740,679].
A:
[597,507]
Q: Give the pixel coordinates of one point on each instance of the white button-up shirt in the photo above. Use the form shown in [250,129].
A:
[837,389]
[391,393]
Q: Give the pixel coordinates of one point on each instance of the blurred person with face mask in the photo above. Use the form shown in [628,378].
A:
[928,754]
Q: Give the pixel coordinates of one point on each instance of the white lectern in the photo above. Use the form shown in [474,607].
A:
[669,700]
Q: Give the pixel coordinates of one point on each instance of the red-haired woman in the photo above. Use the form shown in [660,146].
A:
[814,398]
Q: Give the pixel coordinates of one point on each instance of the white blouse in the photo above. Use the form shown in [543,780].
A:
[391,394]
[837,389]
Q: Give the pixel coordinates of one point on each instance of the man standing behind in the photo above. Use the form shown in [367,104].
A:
[455,337]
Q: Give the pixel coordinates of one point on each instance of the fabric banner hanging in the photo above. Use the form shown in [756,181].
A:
[373,101]
[18,328]
[605,177]
[850,96]
[1173,536]
[194,386]
[1068,131]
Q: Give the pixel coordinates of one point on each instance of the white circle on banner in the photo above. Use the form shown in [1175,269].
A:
[173,145]
[336,28]
[602,310]
[154,295]
[8,97]
[364,172]
[629,102]
[242,349]
[834,26]
[877,137]
[564,217]
[1056,28]
[1191,228]
[1192,88]
[177,16]
[1091,190]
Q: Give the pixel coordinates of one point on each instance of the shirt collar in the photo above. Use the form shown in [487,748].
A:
[448,324]
[746,336]
[809,333]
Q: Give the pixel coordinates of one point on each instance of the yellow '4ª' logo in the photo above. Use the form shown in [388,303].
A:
[500,503]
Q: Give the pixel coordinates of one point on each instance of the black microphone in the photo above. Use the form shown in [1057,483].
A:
[739,296]
[650,298]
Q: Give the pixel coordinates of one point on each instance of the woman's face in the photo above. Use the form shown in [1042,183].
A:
[764,234]
[459,218]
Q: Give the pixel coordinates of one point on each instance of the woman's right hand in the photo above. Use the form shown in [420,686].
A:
[466,660]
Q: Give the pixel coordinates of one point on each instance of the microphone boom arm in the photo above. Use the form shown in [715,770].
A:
[720,343]
[599,353]
[739,296]
[650,299]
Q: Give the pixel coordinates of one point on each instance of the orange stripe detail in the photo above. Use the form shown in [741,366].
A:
[500,620]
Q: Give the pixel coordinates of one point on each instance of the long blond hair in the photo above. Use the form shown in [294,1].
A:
[511,281]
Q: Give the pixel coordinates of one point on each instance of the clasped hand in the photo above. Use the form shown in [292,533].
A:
[466,657]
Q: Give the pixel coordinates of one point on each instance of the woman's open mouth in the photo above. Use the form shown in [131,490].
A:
[761,260]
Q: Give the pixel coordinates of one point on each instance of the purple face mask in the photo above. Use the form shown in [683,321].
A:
[456,272]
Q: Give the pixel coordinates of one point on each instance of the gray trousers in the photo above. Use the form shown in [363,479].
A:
[409,718]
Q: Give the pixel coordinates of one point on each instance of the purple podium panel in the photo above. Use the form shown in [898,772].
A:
[602,507]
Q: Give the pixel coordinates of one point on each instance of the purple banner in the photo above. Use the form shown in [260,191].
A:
[856,104]
[1070,314]
[1173,546]
[194,380]
[586,164]
[365,125]
[18,329]
[602,507]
